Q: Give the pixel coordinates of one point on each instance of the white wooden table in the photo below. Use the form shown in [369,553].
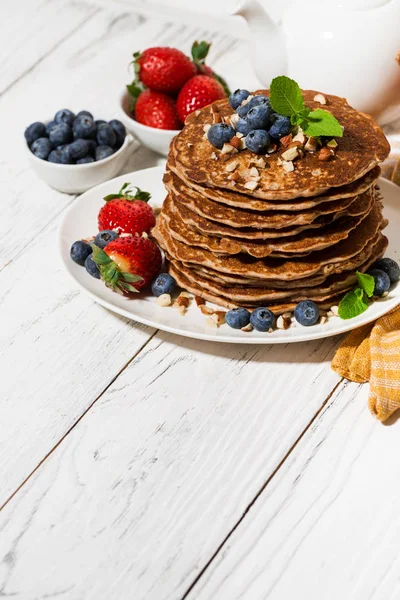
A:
[136,464]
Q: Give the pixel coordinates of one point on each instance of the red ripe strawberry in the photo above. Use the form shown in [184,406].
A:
[199,91]
[163,69]
[127,212]
[129,263]
[157,110]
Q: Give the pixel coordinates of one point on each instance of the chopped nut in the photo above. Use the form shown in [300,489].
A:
[206,127]
[316,172]
[189,145]
[335,310]
[239,135]
[234,119]
[290,154]
[199,301]
[288,166]
[231,166]
[300,137]
[283,323]
[246,100]
[286,140]
[325,154]
[218,317]
[311,145]
[214,156]
[210,322]
[279,161]
[270,330]
[164,300]
[329,313]
[248,327]
[242,143]
[235,142]
[228,149]
[181,309]
[217,117]
[253,172]
[206,310]
[251,185]
[385,294]
[197,112]
[332,144]
[145,234]
[322,320]
[186,295]
[260,162]
[287,315]
[156,211]
[273,148]
[234,177]
[182,300]
[319,98]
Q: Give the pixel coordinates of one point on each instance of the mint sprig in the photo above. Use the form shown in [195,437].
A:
[354,303]
[286,99]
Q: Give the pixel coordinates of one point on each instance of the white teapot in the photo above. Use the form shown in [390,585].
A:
[349,48]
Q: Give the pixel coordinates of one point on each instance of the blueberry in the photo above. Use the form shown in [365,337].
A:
[103,152]
[60,134]
[50,126]
[390,267]
[106,135]
[65,158]
[85,113]
[237,318]
[41,148]
[64,116]
[34,132]
[55,157]
[306,313]
[80,251]
[120,131]
[164,283]
[262,319]
[256,101]
[85,160]
[105,237]
[280,127]
[243,127]
[382,281]
[78,149]
[237,97]
[84,127]
[92,147]
[100,121]
[91,267]
[258,117]
[258,141]
[220,134]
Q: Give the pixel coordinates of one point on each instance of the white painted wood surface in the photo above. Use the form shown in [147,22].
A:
[135,464]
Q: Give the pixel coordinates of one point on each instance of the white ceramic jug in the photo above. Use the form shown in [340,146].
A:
[345,47]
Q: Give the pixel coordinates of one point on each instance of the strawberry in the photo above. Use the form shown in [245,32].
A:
[156,110]
[163,69]
[127,212]
[199,54]
[198,92]
[128,264]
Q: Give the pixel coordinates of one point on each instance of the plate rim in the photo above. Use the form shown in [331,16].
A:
[211,337]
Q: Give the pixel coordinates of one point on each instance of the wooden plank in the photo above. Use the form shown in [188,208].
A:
[33,30]
[144,489]
[327,525]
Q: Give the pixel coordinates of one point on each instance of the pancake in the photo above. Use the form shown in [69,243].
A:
[238,217]
[360,149]
[343,256]
[284,247]
[325,296]
[360,206]
[232,198]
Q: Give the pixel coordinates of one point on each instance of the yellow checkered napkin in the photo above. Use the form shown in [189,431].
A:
[372,353]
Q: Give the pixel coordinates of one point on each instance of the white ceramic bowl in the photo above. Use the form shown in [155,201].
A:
[75,179]
[155,139]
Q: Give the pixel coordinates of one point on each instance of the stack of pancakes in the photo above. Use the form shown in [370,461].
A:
[240,231]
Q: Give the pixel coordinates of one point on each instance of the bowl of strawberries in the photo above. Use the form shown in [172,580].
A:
[167,87]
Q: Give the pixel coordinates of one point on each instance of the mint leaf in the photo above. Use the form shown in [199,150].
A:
[353,304]
[285,96]
[321,122]
[366,283]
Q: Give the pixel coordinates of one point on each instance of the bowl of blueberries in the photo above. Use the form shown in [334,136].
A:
[74,152]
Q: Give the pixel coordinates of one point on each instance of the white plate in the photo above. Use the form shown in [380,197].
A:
[80,221]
